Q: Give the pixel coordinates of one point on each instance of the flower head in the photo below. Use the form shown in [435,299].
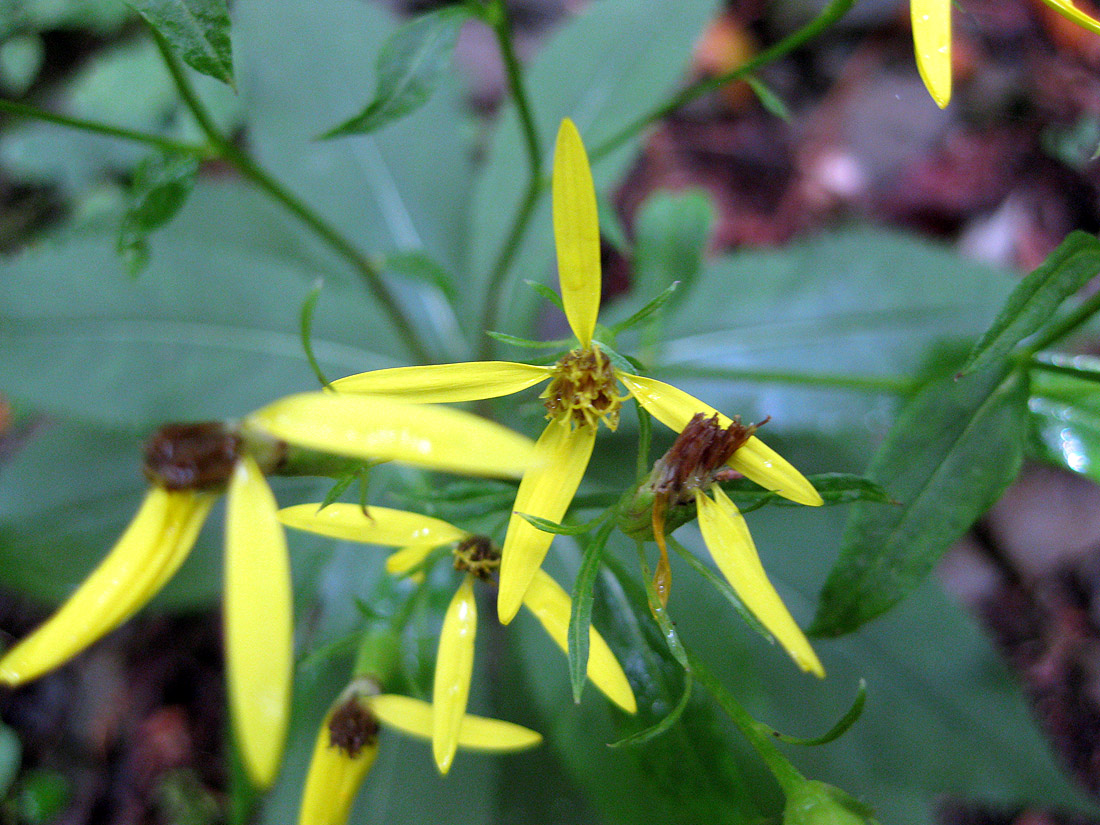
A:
[189,466]
[476,558]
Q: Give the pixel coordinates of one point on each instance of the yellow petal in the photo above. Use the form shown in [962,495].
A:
[1068,9]
[576,233]
[441,383]
[405,559]
[414,717]
[454,666]
[146,555]
[727,537]
[333,780]
[754,459]
[561,456]
[259,636]
[932,45]
[368,427]
[551,606]
[378,525]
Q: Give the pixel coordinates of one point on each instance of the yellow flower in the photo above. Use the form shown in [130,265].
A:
[189,466]
[583,388]
[417,536]
[347,745]
[932,40]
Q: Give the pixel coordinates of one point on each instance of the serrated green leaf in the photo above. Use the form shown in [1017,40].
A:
[160,188]
[1034,300]
[198,30]
[410,66]
[580,613]
[953,450]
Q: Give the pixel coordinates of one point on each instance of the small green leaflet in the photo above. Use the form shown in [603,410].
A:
[580,614]
[769,99]
[410,66]
[653,731]
[198,31]
[160,187]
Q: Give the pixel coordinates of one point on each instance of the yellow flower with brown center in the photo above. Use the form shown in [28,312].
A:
[189,466]
[584,388]
[477,558]
[932,40]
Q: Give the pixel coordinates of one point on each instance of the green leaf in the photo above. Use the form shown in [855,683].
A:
[198,30]
[772,102]
[653,731]
[420,266]
[546,292]
[611,228]
[843,724]
[527,343]
[548,526]
[160,188]
[835,488]
[647,310]
[1065,417]
[410,66]
[720,584]
[11,753]
[580,613]
[1034,300]
[953,450]
[305,325]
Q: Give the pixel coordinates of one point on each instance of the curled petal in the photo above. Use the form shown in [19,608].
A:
[561,456]
[442,383]
[259,635]
[369,427]
[576,233]
[334,778]
[454,667]
[146,555]
[405,559]
[375,525]
[1068,9]
[754,459]
[932,46]
[551,606]
[727,537]
[414,717]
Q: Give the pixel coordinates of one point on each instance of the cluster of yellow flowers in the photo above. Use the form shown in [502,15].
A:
[387,415]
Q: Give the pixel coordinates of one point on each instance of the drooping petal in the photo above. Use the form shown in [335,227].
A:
[146,555]
[561,456]
[730,543]
[454,666]
[551,606]
[333,780]
[368,427]
[754,459]
[442,383]
[405,559]
[932,46]
[259,634]
[576,233]
[377,525]
[1068,9]
[414,717]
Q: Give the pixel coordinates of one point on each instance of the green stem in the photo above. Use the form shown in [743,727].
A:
[1068,324]
[252,171]
[860,383]
[162,143]
[1039,363]
[829,15]
[502,27]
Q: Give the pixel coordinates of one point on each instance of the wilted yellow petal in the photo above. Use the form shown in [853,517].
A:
[754,459]
[333,780]
[932,45]
[730,544]
[378,525]
[441,383]
[148,553]
[368,427]
[414,717]
[454,666]
[405,559]
[561,456]
[551,606]
[259,635]
[576,233]
[1071,11]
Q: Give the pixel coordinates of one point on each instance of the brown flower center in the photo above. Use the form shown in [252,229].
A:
[477,555]
[352,727]
[584,390]
[698,457]
[192,456]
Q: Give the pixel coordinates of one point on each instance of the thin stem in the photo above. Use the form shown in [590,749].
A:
[252,171]
[1068,324]
[1040,363]
[829,15]
[502,27]
[859,383]
[163,143]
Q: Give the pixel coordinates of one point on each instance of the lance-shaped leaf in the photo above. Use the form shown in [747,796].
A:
[1033,301]
[952,452]
[410,66]
[160,187]
[198,30]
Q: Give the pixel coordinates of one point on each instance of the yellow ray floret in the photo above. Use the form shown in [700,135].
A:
[932,46]
[258,621]
[551,606]
[561,456]
[415,718]
[383,429]
[151,549]
[576,233]
[333,780]
[446,383]
[454,668]
[730,544]
[376,525]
